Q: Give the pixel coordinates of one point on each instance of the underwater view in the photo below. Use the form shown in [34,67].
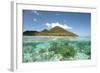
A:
[43,48]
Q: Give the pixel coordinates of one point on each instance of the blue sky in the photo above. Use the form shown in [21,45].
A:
[79,23]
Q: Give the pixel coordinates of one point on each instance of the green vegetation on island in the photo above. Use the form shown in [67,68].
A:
[56,31]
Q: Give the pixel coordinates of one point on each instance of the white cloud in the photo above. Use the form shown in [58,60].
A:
[51,25]
[34,19]
[35,12]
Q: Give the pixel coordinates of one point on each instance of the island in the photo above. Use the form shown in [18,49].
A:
[55,31]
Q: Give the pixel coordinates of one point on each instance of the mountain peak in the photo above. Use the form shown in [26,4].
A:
[55,31]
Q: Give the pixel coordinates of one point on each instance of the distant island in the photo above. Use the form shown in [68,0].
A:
[55,31]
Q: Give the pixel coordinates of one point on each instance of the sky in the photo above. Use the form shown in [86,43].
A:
[78,23]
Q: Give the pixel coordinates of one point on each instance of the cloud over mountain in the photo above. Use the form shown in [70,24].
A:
[64,26]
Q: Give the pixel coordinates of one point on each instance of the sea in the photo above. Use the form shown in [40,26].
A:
[56,48]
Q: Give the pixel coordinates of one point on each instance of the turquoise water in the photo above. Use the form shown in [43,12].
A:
[39,49]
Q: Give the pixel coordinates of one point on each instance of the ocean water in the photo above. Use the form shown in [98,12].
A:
[43,48]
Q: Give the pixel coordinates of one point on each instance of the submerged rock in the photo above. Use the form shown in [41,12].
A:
[27,57]
[56,57]
[81,56]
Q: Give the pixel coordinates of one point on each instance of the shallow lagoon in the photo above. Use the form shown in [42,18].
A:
[40,48]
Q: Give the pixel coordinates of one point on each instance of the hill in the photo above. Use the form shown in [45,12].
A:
[56,31]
